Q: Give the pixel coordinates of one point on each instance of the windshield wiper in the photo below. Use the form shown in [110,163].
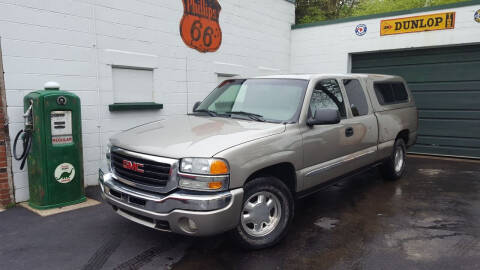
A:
[210,112]
[253,116]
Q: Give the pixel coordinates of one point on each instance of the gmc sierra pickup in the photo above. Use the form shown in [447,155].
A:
[244,155]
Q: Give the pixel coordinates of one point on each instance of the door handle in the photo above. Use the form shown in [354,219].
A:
[349,132]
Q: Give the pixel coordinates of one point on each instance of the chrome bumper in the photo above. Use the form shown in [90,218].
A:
[179,212]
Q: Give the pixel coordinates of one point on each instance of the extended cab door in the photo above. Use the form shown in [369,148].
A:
[362,126]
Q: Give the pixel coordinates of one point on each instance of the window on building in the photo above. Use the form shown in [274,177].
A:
[356,97]
[132,85]
[327,95]
[391,92]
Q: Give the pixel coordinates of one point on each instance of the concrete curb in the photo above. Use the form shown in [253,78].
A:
[446,158]
[49,212]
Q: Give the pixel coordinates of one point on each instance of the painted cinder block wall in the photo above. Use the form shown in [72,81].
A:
[76,42]
[327,47]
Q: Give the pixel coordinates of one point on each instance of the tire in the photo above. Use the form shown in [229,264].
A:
[273,215]
[394,167]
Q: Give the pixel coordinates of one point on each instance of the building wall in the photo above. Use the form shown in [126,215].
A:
[76,42]
[326,48]
[6,192]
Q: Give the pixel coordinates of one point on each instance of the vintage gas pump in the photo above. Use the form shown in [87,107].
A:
[52,145]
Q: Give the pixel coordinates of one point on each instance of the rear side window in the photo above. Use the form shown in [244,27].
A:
[391,93]
[399,92]
[356,96]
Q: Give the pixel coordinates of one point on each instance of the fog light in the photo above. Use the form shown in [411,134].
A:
[187,225]
[192,225]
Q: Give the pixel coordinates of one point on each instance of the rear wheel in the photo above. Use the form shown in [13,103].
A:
[395,166]
[267,211]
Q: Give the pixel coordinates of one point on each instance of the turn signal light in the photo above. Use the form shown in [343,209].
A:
[215,185]
[218,167]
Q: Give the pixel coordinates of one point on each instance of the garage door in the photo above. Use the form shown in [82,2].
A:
[446,85]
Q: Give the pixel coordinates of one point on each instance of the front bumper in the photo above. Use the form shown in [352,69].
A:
[179,212]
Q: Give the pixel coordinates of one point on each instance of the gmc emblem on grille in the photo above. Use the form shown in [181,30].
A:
[133,166]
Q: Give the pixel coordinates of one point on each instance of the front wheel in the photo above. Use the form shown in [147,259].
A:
[394,167]
[267,211]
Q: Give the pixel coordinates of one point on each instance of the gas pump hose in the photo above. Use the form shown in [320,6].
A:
[27,145]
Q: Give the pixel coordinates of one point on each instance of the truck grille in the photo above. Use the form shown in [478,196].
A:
[155,174]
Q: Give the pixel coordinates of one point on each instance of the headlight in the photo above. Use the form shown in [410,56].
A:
[207,174]
[205,166]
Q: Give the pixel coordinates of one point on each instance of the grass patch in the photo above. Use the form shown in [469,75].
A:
[10,205]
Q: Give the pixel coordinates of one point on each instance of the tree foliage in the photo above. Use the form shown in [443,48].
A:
[308,11]
[320,10]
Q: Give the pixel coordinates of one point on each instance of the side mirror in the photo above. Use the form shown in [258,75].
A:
[324,117]
[195,106]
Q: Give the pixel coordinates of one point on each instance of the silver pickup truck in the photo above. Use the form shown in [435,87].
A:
[244,155]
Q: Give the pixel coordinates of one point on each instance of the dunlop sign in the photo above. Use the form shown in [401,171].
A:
[440,21]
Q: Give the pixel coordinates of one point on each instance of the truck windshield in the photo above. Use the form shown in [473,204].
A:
[272,100]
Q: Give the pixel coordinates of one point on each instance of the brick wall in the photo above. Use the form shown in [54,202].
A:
[6,191]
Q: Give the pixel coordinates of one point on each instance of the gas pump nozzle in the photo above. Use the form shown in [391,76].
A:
[26,138]
[28,117]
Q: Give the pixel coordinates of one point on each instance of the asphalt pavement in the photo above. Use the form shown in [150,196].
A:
[430,219]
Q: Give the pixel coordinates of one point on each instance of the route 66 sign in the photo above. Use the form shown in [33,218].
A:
[199,27]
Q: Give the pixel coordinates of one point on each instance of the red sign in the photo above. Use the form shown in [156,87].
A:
[133,166]
[199,27]
[62,140]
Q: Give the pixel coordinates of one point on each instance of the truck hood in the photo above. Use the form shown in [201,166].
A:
[192,136]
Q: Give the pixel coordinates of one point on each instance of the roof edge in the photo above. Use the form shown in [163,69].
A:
[387,14]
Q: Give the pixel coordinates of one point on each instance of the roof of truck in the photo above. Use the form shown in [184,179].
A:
[313,76]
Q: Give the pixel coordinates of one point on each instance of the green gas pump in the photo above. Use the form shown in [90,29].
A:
[52,147]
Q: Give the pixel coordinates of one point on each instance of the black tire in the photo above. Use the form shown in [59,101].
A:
[283,195]
[388,168]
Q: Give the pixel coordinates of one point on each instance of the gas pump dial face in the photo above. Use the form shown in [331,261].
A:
[61,100]
[61,127]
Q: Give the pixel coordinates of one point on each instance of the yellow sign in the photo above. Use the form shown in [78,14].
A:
[440,21]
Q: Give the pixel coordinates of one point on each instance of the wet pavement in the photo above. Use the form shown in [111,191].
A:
[430,219]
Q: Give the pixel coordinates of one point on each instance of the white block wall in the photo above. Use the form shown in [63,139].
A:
[327,48]
[76,42]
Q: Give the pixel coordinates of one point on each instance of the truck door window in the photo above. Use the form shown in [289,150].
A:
[327,95]
[356,96]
